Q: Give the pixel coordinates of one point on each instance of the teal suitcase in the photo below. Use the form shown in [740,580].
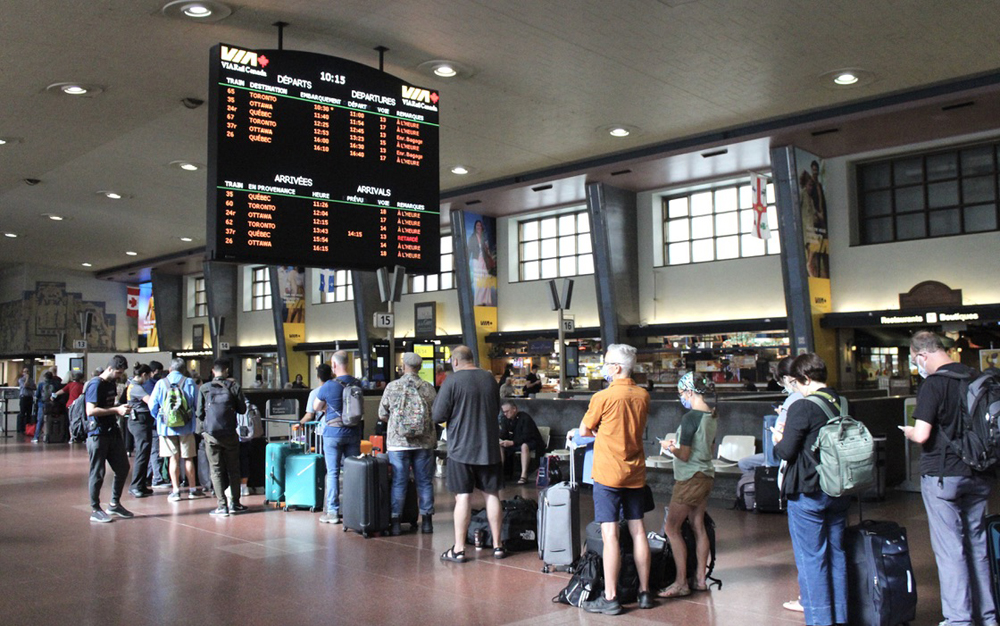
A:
[274,468]
[305,482]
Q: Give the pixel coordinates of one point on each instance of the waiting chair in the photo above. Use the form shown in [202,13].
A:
[733,448]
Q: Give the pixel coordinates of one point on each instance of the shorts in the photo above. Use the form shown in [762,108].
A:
[171,445]
[464,478]
[614,503]
[692,492]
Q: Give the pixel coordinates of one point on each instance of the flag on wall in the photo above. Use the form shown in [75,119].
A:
[132,304]
[761,230]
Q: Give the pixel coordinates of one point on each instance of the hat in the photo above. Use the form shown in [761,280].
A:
[699,385]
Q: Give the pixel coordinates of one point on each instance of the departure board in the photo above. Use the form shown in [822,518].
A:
[321,162]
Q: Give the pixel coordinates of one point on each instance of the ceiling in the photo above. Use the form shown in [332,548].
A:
[548,78]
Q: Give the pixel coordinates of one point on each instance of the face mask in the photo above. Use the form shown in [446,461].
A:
[921,369]
[605,373]
[685,402]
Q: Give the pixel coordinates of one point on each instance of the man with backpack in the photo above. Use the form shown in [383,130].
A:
[341,431]
[172,405]
[218,403]
[955,494]
[104,439]
[406,406]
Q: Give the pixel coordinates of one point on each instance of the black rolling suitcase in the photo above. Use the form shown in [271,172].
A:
[365,499]
[881,590]
[767,494]
[993,548]
[56,428]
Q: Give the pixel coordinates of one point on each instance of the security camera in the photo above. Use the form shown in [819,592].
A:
[192,103]
[31,182]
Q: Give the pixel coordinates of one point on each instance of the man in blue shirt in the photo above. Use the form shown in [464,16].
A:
[177,442]
[338,441]
[104,439]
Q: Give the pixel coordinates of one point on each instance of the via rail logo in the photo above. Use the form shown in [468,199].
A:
[243,57]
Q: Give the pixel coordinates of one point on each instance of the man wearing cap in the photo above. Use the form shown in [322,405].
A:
[617,418]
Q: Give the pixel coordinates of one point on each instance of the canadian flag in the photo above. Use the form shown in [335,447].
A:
[132,306]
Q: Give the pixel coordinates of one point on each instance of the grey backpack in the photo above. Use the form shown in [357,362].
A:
[846,463]
[352,410]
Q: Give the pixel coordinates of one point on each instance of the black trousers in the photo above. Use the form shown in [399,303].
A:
[223,452]
[142,434]
[27,408]
[108,448]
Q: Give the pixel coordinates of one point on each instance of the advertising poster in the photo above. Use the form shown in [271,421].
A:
[147,317]
[988,359]
[292,289]
[816,243]
[481,237]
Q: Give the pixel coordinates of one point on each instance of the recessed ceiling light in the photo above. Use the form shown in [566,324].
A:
[2,141]
[186,239]
[54,218]
[9,141]
[131,253]
[197,10]
[86,90]
[619,131]
[86,264]
[187,166]
[446,69]
[846,77]
[10,235]
[113,195]
[461,171]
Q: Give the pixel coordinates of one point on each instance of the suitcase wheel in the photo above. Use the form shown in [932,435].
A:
[546,570]
[365,535]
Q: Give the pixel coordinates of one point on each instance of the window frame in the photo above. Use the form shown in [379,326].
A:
[417,283]
[528,262]
[260,301]
[889,214]
[333,297]
[710,220]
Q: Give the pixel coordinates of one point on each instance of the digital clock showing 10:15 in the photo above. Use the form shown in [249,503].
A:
[320,162]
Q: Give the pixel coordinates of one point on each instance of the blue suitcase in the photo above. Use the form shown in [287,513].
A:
[305,482]
[274,468]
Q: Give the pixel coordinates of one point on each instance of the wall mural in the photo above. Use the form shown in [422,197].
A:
[34,323]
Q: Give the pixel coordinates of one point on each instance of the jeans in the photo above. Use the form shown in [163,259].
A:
[39,421]
[422,462]
[334,450]
[956,512]
[223,452]
[142,433]
[816,523]
[750,463]
[110,448]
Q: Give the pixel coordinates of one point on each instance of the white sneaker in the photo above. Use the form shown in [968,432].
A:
[794,605]
[244,490]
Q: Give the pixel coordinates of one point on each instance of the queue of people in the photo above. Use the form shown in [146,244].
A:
[954,494]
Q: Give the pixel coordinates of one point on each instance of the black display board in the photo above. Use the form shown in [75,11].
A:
[321,162]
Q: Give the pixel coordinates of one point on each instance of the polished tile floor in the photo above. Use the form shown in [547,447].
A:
[174,564]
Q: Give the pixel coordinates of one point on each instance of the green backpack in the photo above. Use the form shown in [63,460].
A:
[846,463]
[175,407]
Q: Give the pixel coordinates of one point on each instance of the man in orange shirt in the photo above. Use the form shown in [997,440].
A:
[617,418]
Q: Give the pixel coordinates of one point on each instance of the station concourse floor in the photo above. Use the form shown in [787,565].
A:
[174,564]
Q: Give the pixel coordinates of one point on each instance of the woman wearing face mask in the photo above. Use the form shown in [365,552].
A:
[694,475]
[816,521]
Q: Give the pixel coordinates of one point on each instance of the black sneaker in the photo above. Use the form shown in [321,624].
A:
[603,605]
[219,512]
[139,494]
[237,508]
[117,509]
[426,527]
[395,528]
[645,600]
[100,517]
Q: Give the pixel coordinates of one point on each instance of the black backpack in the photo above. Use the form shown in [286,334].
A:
[587,581]
[976,435]
[79,424]
[220,409]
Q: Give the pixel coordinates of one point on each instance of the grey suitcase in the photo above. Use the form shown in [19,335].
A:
[365,498]
[559,523]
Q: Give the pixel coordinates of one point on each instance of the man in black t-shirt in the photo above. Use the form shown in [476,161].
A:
[469,402]
[533,384]
[104,439]
[955,496]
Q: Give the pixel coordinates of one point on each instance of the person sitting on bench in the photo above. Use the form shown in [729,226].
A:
[519,432]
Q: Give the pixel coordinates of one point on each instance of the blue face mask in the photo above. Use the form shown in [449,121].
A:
[685,402]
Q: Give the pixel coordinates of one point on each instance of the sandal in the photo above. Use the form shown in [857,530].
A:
[522,481]
[697,587]
[500,553]
[675,591]
[454,557]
